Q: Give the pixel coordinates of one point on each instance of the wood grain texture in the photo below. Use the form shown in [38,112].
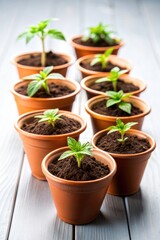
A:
[35,216]
[143,208]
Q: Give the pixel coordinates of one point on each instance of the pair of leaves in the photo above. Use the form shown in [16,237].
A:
[121,128]
[113,77]
[117,98]
[41,31]
[77,150]
[49,116]
[102,58]
[40,80]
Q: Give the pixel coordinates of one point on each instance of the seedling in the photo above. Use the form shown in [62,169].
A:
[113,77]
[77,150]
[121,128]
[101,32]
[40,80]
[49,116]
[41,30]
[117,98]
[102,58]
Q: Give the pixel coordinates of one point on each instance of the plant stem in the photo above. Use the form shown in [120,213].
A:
[43,55]
[114,86]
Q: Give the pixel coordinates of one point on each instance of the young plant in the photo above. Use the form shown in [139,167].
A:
[49,116]
[77,150]
[117,98]
[121,128]
[40,80]
[41,31]
[113,77]
[102,58]
[101,32]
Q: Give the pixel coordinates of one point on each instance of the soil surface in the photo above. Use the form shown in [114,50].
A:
[52,59]
[90,169]
[91,43]
[55,91]
[107,86]
[98,68]
[109,143]
[100,107]
[63,125]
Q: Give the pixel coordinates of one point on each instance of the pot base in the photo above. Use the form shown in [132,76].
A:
[77,222]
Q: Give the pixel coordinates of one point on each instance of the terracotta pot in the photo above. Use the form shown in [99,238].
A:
[117,61]
[38,146]
[101,122]
[130,167]
[24,70]
[88,81]
[86,50]
[27,104]
[78,202]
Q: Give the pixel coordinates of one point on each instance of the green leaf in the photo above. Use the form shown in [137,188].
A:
[94,61]
[111,102]
[47,70]
[29,37]
[66,154]
[104,79]
[112,94]
[108,52]
[126,107]
[129,125]
[33,87]
[32,77]
[55,76]
[56,34]
[22,35]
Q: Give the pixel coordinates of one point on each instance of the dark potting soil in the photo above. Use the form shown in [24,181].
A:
[91,43]
[134,144]
[52,59]
[98,67]
[90,169]
[107,86]
[63,125]
[55,91]
[100,107]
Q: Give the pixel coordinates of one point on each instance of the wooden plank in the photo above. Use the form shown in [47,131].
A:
[35,214]
[110,224]
[143,208]
[112,219]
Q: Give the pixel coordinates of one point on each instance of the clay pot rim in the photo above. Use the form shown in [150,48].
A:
[76,91]
[71,182]
[70,60]
[124,77]
[48,137]
[91,48]
[123,155]
[91,56]
[111,118]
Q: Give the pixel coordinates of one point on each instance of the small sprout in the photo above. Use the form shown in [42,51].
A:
[117,98]
[40,80]
[49,116]
[113,77]
[121,128]
[101,32]
[102,58]
[40,30]
[77,150]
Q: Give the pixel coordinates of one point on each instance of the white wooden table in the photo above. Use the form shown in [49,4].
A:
[26,208]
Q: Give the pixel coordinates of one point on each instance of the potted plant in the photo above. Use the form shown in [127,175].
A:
[43,91]
[40,137]
[115,80]
[104,110]
[34,62]
[98,39]
[101,63]
[131,150]
[78,178]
